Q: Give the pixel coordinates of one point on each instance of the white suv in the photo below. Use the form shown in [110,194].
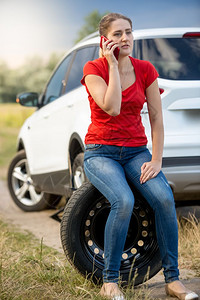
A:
[49,161]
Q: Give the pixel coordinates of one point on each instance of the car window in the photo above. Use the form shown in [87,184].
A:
[135,50]
[82,56]
[55,84]
[174,58]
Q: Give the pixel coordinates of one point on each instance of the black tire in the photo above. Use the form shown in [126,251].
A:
[82,236]
[78,173]
[22,190]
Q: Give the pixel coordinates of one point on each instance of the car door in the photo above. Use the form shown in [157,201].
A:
[38,142]
[79,112]
[51,128]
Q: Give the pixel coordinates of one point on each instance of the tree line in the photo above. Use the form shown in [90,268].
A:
[34,74]
[31,76]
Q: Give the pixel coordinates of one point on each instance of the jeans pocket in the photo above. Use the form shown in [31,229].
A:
[92,147]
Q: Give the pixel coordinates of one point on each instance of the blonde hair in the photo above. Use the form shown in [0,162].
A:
[105,23]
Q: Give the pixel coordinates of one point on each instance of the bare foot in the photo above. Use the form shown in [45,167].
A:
[111,291]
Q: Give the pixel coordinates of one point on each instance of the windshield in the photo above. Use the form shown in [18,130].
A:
[174,58]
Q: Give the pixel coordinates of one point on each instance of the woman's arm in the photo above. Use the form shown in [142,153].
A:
[152,168]
[108,97]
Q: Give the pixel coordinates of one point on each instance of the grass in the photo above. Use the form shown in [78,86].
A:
[189,245]
[30,270]
[12,116]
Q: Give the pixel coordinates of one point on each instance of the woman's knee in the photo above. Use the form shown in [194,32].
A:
[164,201]
[124,204]
[167,200]
[160,193]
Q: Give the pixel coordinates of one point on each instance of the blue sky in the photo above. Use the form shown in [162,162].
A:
[40,27]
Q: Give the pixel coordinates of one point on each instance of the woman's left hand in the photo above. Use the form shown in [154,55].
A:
[149,170]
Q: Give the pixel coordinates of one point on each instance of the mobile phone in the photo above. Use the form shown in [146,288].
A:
[116,51]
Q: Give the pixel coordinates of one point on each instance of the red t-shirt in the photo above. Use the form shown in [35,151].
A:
[126,129]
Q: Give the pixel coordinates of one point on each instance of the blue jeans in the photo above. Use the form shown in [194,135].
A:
[108,168]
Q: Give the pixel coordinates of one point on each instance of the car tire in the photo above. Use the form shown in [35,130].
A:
[78,171]
[82,237]
[22,190]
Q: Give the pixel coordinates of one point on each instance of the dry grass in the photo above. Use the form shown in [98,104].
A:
[189,245]
[30,270]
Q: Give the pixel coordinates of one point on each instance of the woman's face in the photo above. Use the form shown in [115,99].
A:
[120,32]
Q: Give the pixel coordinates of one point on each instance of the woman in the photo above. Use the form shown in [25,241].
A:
[116,151]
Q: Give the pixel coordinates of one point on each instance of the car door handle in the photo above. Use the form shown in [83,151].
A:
[70,105]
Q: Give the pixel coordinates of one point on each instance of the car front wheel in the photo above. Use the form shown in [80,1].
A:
[21,187]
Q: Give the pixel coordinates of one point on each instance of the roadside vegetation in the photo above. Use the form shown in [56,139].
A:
[31,270]
[189,244]
[31,76]
[34,73]
[12,116]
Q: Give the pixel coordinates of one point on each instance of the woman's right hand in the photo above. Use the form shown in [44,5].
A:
[107,96]
[108,51]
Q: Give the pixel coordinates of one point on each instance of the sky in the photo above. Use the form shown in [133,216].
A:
[41,27]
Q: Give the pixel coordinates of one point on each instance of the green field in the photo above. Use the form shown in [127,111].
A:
[12,116]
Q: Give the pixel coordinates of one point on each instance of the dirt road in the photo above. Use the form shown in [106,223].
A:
[39,223]
[42,226]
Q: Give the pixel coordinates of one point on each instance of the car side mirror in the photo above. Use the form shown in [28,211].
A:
[28,99]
